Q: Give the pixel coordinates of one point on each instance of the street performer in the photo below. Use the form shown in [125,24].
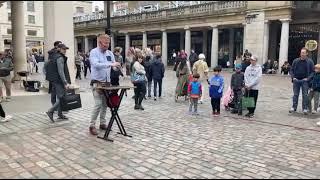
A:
[101,60]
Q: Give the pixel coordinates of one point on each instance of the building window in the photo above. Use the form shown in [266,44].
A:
[32,33]
[9,31]
[79,10]
[8,5]
[31,19]
[9,16]
[30,6]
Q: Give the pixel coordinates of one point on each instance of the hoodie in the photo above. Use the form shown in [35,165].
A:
[50,57]
[157,69]
[252,76]
[216,86]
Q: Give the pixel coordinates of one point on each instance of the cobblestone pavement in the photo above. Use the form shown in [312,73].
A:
[167,142]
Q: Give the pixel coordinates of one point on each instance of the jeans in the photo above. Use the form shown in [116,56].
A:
[215,103]
[78,75]
[238,100]
[59,90]
[315,96]
[193,102]
[100,106]
[139,92]
[86,70]
[155,83]
[149,84]
[52,93]
[252,93]
[297,85]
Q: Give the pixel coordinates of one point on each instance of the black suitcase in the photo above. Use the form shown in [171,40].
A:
[70,101]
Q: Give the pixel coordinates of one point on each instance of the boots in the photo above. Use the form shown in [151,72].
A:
[136,103]
[140,101]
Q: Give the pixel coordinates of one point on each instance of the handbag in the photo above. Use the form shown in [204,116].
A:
[136,78]
[114,100]
[70,101]
[248,102]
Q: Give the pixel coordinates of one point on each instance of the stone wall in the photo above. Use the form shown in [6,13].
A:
[254,35]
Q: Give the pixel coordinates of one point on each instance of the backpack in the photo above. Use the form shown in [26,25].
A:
[31,86]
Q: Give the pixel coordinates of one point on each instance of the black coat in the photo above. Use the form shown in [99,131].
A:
[157,70]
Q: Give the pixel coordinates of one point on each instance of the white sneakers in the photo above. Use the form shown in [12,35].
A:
[318,123]
[6,119]
[5,99]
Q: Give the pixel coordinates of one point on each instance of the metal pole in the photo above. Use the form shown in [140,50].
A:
[108,28]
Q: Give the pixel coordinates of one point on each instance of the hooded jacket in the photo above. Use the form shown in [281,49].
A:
[157,69]
[252,76]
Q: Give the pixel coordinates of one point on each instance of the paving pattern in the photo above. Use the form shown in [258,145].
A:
[167,142]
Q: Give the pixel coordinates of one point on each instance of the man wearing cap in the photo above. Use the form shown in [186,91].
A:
[252,78]
[58,75]
[101,60]
[50,53]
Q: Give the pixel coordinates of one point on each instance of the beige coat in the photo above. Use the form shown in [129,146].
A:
[201,67]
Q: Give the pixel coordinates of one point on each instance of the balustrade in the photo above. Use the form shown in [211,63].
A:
[193,10]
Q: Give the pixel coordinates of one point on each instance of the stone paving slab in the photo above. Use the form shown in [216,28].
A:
[166,142]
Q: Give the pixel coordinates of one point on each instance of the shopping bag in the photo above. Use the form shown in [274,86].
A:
[70,101]
[248,102]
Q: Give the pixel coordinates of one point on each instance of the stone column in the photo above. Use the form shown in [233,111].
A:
[164,46]
[214,46]
[86,44]
[18,38]
[284,42]
[187,41]
[318,59]
[244,37]
[204,42]
[265,42]
[127,42]
[59,26]
[231,46]
[75,45]
[144,40]
[112,42]
[181,41]
[1,44]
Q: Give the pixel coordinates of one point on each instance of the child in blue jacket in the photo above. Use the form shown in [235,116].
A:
[216,83]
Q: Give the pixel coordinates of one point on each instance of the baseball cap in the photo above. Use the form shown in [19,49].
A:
[238,66]
[57,43]
[62,46]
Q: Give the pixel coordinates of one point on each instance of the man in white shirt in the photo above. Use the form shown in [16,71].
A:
[101,60]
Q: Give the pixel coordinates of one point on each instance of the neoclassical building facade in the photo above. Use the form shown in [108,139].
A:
[219,29]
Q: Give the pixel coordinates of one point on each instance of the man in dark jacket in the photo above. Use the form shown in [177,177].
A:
[58,74]
[301,73]
[50,53]
[193,58]
[157,74]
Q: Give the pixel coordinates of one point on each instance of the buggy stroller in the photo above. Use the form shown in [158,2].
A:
[228,100]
